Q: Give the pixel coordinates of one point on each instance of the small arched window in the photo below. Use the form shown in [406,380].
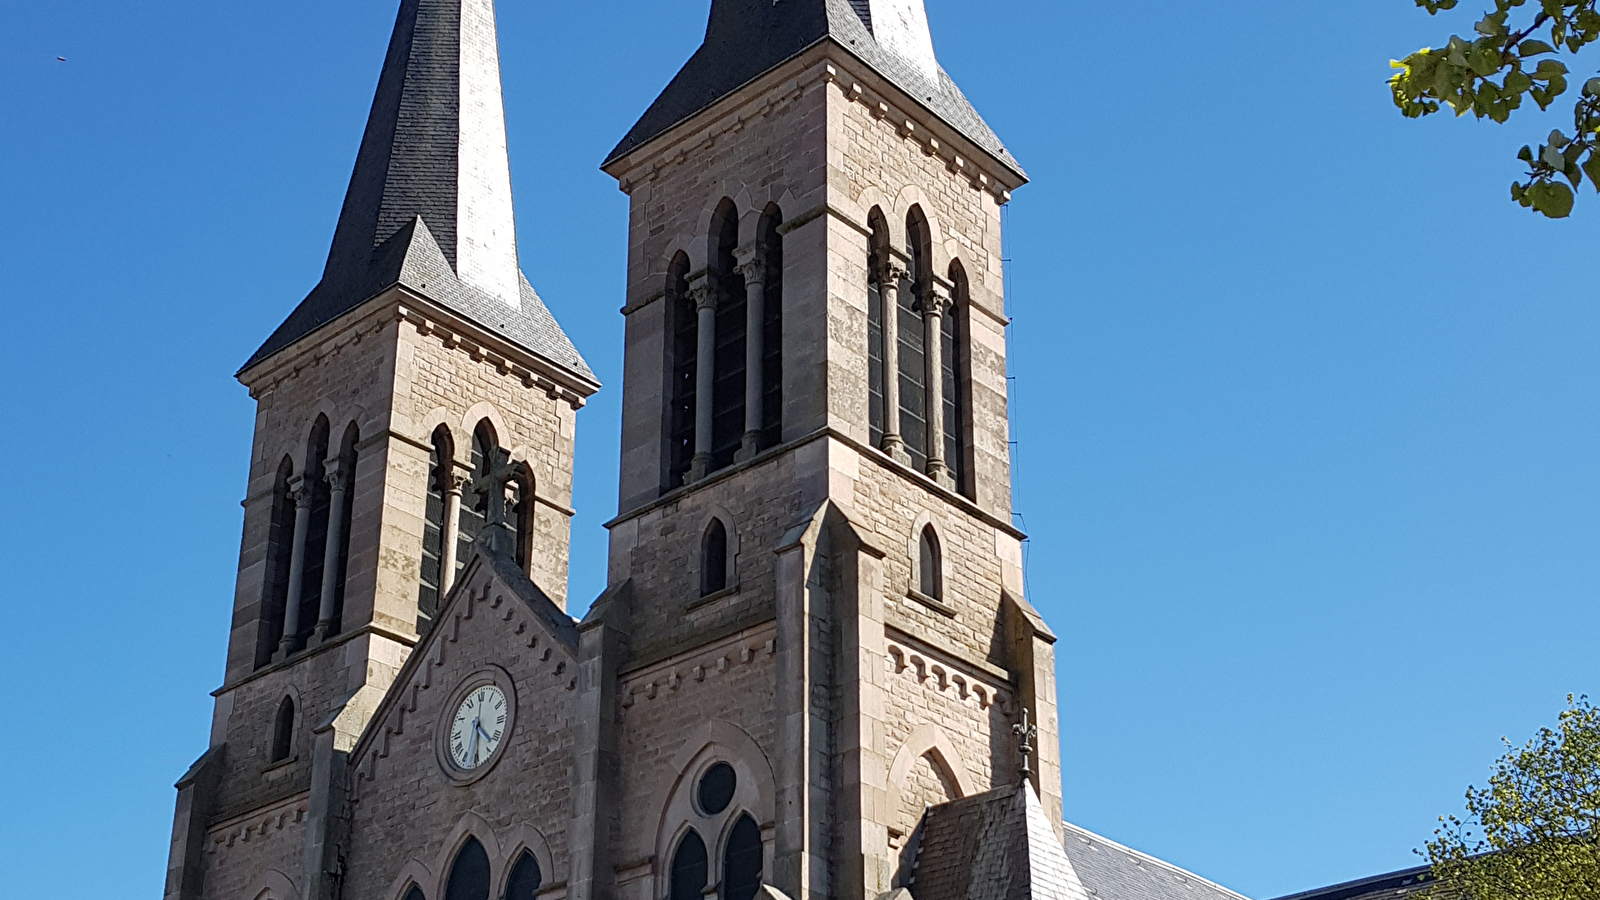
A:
[415,894]
[714,559]
[283,731]
[469,875]
[690,871]
[684,334]
[525,878]
[742,864]
[280,550]
[439,466]
[929,573]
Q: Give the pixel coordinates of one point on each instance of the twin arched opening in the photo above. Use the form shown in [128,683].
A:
[308,546]
[725,346]
[462,505]
[917,352]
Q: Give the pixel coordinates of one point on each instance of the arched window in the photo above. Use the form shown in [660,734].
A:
[475,502]
[469,875]
[521,512]
[690,871]
[432,578]
[728,392]
[930,575]
[771,241]
[913,341]
[348,458]
[415,894]
[714,559]
[316,539]
[876,264]
[682,330]
[525,878]
[741,865]
[280,550]
[283,731]
[956,358]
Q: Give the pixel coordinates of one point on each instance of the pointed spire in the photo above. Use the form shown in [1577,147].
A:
[748,38]
[435,147]
[429,204]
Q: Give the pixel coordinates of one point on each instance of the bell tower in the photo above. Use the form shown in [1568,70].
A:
[420,377]
[815,498]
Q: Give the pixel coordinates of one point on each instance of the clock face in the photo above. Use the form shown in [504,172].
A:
[479,728]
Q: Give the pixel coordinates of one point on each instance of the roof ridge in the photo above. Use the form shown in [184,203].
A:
[1140,855]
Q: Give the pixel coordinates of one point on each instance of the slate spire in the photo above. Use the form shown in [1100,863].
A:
[435,147]
[429,204]
[748,38]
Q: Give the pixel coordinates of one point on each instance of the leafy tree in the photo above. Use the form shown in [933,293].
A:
[1504,62]
[1532,833]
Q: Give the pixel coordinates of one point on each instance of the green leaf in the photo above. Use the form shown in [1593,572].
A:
[1553,199]
[1533,48]
[1526,154]
[1592,167]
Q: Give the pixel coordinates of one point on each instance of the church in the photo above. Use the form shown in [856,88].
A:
[813,674]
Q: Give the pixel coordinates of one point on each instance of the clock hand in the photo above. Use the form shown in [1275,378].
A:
[472,749]
[479,729]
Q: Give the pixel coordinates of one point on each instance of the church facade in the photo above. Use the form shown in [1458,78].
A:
[813,674]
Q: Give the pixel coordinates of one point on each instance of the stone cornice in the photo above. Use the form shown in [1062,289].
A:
[826,62]
[400,304]
[905,472]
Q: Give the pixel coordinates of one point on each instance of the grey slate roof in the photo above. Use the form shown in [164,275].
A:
[994,846]
[410,217]
[747,38]
[1393,885]
[1111,871]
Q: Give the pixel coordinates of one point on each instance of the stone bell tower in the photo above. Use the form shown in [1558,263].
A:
[420,362]
[814,574]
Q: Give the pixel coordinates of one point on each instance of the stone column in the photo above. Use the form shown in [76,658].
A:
[753,266]
[890,274]
[935,303]
[451,534]
[299,492]
[705,305]
[339,484]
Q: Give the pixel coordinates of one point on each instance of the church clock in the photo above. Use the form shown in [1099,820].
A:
[476,726]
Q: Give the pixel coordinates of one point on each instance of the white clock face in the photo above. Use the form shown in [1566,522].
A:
[479,727]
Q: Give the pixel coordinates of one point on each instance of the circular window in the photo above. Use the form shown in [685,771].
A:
[716,788]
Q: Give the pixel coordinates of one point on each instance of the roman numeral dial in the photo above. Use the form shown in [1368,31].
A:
[479,727]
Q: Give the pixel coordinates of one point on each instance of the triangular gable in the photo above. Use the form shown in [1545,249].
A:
[491,589]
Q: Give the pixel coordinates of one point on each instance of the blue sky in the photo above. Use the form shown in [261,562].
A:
[1305,407]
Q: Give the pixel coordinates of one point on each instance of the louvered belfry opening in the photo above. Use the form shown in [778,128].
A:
[682,370]
[728,394]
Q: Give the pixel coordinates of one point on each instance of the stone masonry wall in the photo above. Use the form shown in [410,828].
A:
[406,815]
[663,707]
[248,855]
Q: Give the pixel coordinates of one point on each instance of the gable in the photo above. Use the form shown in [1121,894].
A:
[406,798]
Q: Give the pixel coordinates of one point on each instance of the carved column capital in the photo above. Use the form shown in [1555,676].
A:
[752,261]
[891,272]
[702,295]
[299,491]
[337,474]
[936,299]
